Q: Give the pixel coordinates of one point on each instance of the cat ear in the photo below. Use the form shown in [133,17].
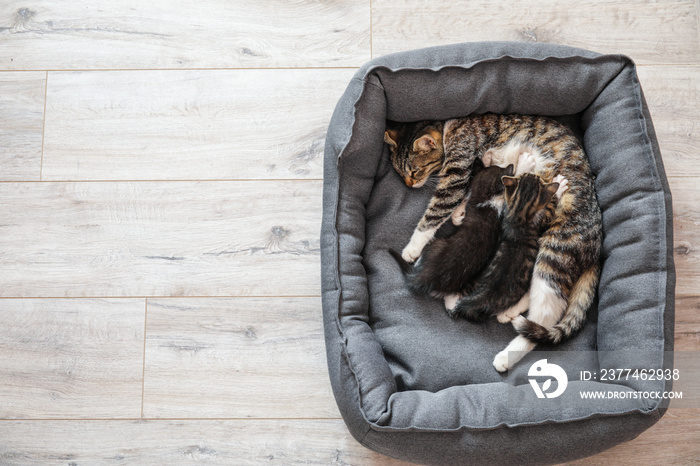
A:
[424,144]
[510,170]
[478,164]
[511,184]
[549,190]
[390,137]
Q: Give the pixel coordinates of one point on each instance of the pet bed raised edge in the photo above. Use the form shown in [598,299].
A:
[400,401]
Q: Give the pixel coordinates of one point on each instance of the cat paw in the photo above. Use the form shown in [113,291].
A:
[451,301]
[504,317]
[563,185]
[526,163]
[411,252]
[500,362]
[459,213]
[414,248]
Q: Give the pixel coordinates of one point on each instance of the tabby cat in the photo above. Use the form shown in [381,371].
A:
[448,265]
[530,205]
[567,267]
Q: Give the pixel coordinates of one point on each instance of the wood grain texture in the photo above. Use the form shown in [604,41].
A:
[22,110]
[650,32]
[687,328]
[673,441]
[127,34]
[236,358]
[71,358]
[673,96]
[160,239]
[240,442]
[236,124]
[686,243]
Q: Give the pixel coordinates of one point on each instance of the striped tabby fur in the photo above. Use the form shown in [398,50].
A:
[567,267]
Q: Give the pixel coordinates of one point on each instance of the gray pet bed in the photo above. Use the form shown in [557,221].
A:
[412,383]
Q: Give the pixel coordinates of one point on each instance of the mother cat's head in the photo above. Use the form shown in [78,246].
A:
[416,150]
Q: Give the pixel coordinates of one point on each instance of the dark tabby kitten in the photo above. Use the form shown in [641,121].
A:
[568,262]
[448,265]
[529,210]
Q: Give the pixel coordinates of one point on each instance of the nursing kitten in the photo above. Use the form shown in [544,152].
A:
[529,209]
[448,265]
[567,267]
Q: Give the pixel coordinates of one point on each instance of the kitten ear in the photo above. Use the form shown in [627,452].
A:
[424,144]
[478,164]
[510,170]
[390,137]
[549,190]
[511,184]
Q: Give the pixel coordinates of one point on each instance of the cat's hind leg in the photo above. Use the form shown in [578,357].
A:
[514,311]
[546,308]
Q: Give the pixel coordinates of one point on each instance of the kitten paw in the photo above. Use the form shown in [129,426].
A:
[459,213]
[563,185]
[504,317]
[500,362]
[451,301]
[526,163]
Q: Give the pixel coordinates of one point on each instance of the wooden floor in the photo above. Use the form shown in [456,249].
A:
[160,206]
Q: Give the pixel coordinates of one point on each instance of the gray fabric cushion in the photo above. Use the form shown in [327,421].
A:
[416,385]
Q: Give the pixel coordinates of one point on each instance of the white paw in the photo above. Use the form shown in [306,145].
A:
[563,185]
[451,301]
[500,362]
[504,317]
[459,213]
[415,246]
[411,252]
[509,314]
[526,164]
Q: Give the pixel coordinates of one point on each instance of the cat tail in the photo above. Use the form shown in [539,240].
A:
[580,300]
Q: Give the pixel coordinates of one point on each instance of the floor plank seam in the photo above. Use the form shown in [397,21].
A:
[43,126]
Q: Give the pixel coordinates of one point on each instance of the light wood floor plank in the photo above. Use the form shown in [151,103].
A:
[128,34]
[673,95]
[71,358]
[123,239]
[650,32]
[236,358]
[244,442]
[673,441]
[686,218]
[22,109]
[155,125]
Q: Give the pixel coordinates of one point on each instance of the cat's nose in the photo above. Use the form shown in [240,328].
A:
[409,182]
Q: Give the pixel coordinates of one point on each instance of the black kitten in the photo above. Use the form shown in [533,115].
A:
[448,265]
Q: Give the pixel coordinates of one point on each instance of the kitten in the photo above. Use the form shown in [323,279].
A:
[529,209]
[567,267]
[448,265]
